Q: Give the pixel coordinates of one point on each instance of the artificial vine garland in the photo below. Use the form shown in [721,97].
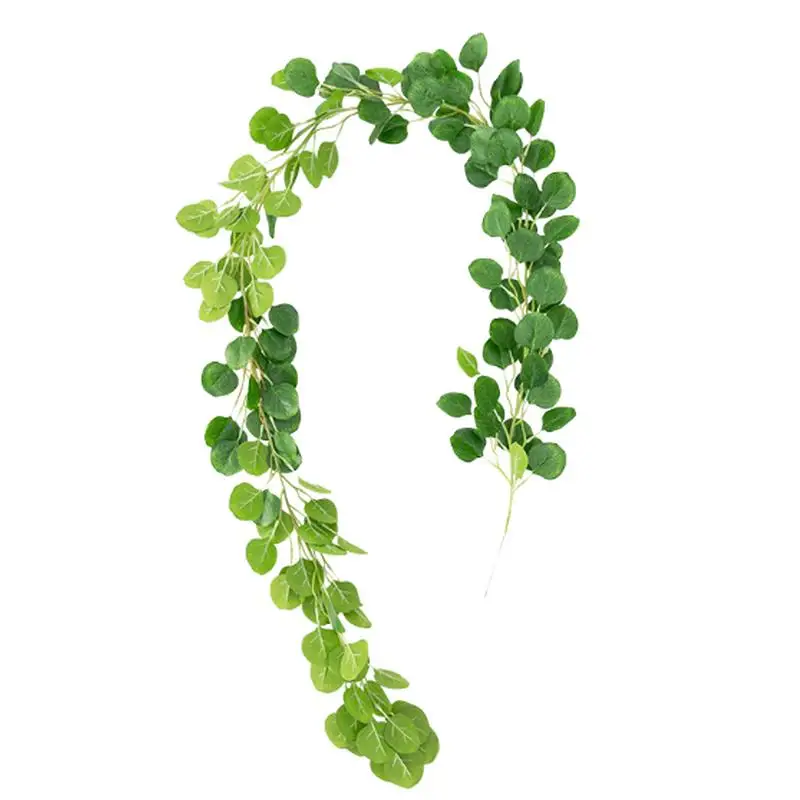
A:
[395,737]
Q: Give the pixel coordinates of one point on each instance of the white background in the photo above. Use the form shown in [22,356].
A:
[641,639]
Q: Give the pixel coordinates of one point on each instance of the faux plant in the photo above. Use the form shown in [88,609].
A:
[499,136]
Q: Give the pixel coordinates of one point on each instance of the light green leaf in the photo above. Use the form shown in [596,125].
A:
[349,547]
[325,679]
[344,596]
[328,158]
[246,502]
[218,288]
[354,659]
[372,744]
[338,739]
[319,644]
[194,277]
[247,175]
[261,555]
[467,362]
[519,460]
[358,618]
[198,217]
[268,262]
[239,352]
[279,80]
[358,703]
[312,169]
[284,203]
[313,487]
[391,680]
[259,297]
[322,511]
[253,457]
[304,577]
[283,595]
[401,734]
[391,77]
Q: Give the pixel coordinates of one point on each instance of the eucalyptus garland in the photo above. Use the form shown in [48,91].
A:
[499,136]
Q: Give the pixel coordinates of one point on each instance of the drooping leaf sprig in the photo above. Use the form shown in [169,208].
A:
[290,514]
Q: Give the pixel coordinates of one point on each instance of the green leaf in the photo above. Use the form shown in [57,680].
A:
[540,154]
[343,76]
[354,659]
[391,77]
[526,192]
[199,217]
[194,277]
[325,679]
[534,330]
[300,76]
[277,347]
[508,82]
[394,130]
[261,555]
[497,221]
[430,748]
[218,288]
[534,371]
[473,53]
[344,596]
[284,203]
[565,323]
[281,401]
[560,228]
[319,644]
[468,444]
[246,175]
[455,404]
[480,174]
[535,119]
[268,262]
[508,295]
[547,460]
[328,158]
[259,297]
[224,458]
[282,594]
[371,742]
[373,110]
[557,418]
[416,715]
[338,739]
[271,511]
[558,190]
[358,618]
[519,460]
[253,457]
[391,680]
[547,395]
[511,112]
[312,169]
[246,502]
[271,128]
[350,547]
[221,429]
[285,319]
[239,352]
[279,80]
[547,286]
[487,392]
[403,771]
[486,272]
[525,245]
[467,362]
[358,704]
[497,356]
[219,379]
[401,734]
[304,577]
[313,487]
[323,511]
[501,332]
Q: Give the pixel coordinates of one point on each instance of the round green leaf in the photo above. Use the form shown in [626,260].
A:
[319,644]
[285,319]
[253,457]
[354,659]
[511,112]
[547,286]
[261,555]
[300,76]
[358,703]
[401,734]
[497,221]
[224,457]
[486,272]
[277,347]
[259,297]
[221,428]
[430,748]
[468,444]
[325,679]
[558,190]
[473,53]
[487,392]
[371,742]
[218,379]
[338,739]
[344,596]
[547,460]
[194,277]
[560,228]
[218,288]
[565,323]
[239,352]
[282,594]
[284,203]
[525,245]
[268,262]
[526,192]
[540,154]
[501,332]
[534,331]
[281,401]
[323,511]
[246,502]
[546,395]
[304,577]
[455,404]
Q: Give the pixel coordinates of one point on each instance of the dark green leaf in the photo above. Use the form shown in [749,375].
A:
[525,245]
[455,404]
[540,154]
[557,418]
[219,379]
[486,272]
[285,319]
[508,82]
[526,192]
[560,228]
[534,331]
[565,323]
[558,190]
[300,76]
[535,119]
[487,392]
[546,460]
[281,401]
[547,286]
[468,444]
[511,112]
[473,53]
[546,395]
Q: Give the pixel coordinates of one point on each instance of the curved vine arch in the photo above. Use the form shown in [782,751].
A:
[257,437]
